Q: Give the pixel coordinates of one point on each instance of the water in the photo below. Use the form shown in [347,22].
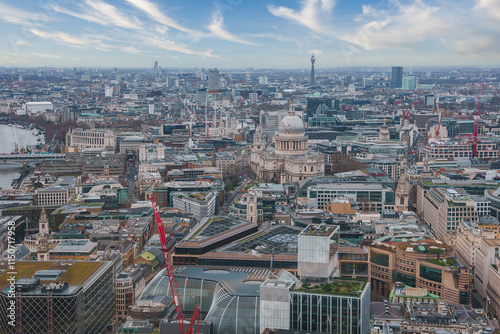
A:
[9,135]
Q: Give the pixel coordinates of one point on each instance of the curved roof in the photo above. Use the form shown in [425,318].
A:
[291,123]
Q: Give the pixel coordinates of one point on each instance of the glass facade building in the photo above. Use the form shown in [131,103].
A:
[62,308]
[228,298]
[330,313]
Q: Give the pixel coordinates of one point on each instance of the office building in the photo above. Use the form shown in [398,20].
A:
[213,79]
[318,302]
[58,193]
[91,138]
[427,264]
[443,209]
[59,297]
[397,77]
[409,82]
[201,204]
[209,234]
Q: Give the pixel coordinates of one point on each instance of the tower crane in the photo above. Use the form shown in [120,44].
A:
[171,275]
[476,119]
[439,125]
[241,102]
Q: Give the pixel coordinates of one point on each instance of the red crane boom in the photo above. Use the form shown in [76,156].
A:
[439,125]
[475,123]
[241,102]
[171,274]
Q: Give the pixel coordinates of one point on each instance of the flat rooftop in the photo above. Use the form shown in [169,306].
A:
[320,230]
[214,226]
[278,240]
[75,273]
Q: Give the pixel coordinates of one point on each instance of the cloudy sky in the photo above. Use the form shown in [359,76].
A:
[279,34]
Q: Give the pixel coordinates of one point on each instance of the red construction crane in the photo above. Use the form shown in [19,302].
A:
[475,123]
[241,103]
[171,274]
[439,125]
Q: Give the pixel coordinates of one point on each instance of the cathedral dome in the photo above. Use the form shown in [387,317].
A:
[291,123]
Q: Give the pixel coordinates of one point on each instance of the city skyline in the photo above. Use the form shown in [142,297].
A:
[238,34]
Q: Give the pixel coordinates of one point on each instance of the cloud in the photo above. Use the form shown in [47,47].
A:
[490,7]
[154,12]
[44,55]
[216,27]
[131,49]
[404,26]
[313,14]
[174,46]
[71,40]
[14,59]
[17,16]
[100,12]
[316,52]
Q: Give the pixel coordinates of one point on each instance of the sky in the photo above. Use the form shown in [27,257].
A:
[272,34]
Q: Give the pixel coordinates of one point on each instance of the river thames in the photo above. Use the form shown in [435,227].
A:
[9,136]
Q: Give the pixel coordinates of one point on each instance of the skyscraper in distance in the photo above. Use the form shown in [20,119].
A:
[313,60]
[397,77]
[213,78]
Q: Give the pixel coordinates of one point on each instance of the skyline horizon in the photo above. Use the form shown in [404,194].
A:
[388,67]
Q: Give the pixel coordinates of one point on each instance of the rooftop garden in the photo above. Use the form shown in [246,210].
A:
[74,274]
[347,287]
[449,262]
[248,186]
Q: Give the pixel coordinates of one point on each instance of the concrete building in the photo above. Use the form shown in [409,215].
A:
[487,149]
[213,79]
[73,250]
[318,251]
[201,205]
[426,264]
[58,193]
[129,285]
[444,209]
[488,251]
[38,107]
[91,138]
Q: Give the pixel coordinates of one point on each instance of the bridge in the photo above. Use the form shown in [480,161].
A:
[31,157]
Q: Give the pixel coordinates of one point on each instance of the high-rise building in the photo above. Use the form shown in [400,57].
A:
[409,82]
[313,60]
[319,302]
[213,78]
[57,297]
[397,77]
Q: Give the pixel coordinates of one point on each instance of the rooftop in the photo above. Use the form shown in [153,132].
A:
[320,230]
[278,240]
[349,287]
[86,246]
[214,226]
[75,273]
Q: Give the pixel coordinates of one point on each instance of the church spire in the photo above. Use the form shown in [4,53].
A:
[291,109]
[43,223]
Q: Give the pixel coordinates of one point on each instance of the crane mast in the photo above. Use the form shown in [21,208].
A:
[171,274]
